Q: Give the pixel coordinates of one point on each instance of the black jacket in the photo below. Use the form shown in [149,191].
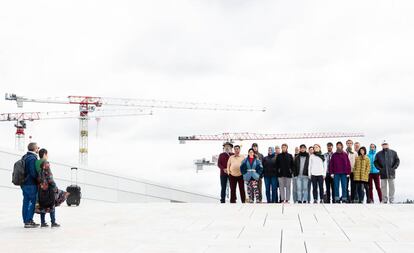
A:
[285,165]
[269,166]
[297,165]
[387,162]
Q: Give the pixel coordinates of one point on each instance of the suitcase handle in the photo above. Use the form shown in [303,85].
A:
[71,175]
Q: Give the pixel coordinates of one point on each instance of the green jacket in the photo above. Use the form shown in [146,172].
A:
[38,163]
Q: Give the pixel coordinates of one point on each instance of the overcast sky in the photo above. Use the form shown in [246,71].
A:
[325,66]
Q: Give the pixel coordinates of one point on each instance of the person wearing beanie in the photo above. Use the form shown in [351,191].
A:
[374,175]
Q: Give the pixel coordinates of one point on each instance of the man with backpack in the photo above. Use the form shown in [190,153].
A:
[30,185]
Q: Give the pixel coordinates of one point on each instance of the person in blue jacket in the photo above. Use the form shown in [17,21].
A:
[30,186]
[374,175]
[252,168]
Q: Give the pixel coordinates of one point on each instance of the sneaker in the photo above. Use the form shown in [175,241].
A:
[29,225]
[34,224]
[315,202]
[55,225]
[44,225]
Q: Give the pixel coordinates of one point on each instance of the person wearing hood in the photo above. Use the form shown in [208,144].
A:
[317,172]
[285,165]
[352,155]
[259,156]
[374,175]
[387,162]
[301,172]
[222,164]
[270,176]
[340,169]
[252,168]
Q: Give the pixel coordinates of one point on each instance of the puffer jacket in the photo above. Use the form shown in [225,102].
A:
[362,168]
[387,162]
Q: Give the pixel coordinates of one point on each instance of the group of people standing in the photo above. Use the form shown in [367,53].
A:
[38,183]
[347,175]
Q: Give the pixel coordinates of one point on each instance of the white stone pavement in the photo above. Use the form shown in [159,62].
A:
[100,227]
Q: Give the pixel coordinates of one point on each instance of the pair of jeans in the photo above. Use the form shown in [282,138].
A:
[317,183]
[234,181]
[294,192]
[29,202]
[223,183]
[329,183]
[284,188]
[360,187]
[52,217]
[387,196]
[374,178]
[271,184]
[342,180]
[302,183]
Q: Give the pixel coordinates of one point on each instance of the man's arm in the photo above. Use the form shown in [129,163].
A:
[32,168]
[396,162]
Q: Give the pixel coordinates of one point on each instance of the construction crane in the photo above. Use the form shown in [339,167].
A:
[21,117]
[88,104]
[232,137]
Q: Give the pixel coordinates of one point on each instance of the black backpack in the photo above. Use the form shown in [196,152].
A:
[19,171]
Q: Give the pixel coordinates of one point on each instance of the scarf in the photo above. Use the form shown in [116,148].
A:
[320,155]
[349,150]
[303,154]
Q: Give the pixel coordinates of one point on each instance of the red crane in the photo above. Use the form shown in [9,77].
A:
[231,137]
[88,104]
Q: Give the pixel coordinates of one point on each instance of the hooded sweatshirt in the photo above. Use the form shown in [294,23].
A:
[340,164]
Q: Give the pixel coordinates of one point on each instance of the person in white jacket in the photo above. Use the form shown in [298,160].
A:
[317,173]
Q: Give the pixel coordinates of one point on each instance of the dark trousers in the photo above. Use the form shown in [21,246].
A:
[52,217]
[329,183]
[234,181]
[223,183]
[360,187]
[376,179]
[351,194]
[317,183]
[260,189]
[271,184]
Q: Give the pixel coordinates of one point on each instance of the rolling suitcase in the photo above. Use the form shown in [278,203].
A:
[75,191]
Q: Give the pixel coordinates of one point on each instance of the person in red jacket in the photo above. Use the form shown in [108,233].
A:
[340,169]
[222,164]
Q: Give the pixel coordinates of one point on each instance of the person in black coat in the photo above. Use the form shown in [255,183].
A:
[285,166]
[270,176]
[387,161]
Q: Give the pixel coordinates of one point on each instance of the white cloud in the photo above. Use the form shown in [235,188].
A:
[326,66]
